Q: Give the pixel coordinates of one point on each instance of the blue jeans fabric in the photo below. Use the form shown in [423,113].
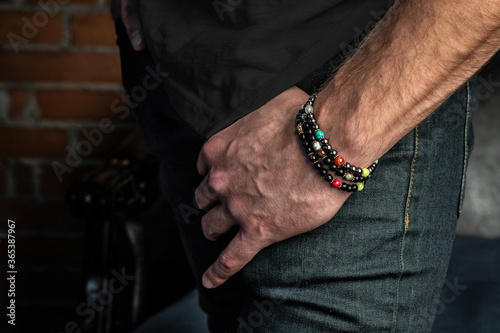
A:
[377,266]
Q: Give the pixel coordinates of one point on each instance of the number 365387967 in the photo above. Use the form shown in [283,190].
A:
[11,240]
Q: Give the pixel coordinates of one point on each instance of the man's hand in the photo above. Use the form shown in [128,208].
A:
[129,13]
[257,176]
[256,173]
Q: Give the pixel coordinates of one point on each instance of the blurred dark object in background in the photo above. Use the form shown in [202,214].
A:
[131,246]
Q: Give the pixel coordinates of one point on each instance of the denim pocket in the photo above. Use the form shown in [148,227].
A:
[471,88]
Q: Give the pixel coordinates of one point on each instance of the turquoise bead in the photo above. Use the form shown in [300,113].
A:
[319,134]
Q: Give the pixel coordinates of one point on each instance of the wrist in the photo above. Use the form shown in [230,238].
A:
[354,134]
[325,158]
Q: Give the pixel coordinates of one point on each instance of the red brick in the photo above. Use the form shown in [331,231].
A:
[94,29]
[78,105]
[17,102]
[32,142]
[24,179]
[111,143]
[29,215]
[63,66]
[12,23]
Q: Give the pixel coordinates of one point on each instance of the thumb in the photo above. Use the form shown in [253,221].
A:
[235,256]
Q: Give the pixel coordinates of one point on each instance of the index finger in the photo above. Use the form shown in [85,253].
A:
[235,256]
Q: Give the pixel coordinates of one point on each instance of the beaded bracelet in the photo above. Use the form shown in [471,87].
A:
[319,151]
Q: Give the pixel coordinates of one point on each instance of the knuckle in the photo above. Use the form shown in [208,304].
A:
[211,148]
[197,197]
[215,182]
[206,227]
[227,264]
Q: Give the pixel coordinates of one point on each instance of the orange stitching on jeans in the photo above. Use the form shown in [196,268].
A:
[407,221]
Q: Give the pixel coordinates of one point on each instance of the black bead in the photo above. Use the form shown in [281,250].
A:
[305,143]
[308,132]
[327,160]
[317,165]
[323,171]
[340,172]
[323,141]
[309,150]
[314,126]
[334,152]
[354,188]
[302,136]
[347,165]
[359,170]
[333,167]
[343,186]
[329,178]
[305,125]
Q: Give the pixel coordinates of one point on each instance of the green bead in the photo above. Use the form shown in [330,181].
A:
[365,173]
[319,134]
[361,186]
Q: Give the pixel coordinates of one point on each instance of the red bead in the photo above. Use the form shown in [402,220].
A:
[336,183]
[339,160]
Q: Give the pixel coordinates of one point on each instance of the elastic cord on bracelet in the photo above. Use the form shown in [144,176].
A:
[321,153]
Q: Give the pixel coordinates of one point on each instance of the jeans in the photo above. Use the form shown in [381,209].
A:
[377,266]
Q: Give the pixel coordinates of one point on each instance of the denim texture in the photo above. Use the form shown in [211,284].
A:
[377,266]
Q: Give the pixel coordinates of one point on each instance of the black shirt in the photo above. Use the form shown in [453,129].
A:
[226,58]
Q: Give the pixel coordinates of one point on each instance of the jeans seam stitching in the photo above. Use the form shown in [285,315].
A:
[406,224]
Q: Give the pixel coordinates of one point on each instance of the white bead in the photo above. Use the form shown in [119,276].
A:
[316,145]
[308,109]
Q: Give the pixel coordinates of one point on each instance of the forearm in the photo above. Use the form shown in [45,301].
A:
[412,61]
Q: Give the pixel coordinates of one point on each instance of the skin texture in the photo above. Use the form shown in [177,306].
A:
[256,174]
[127,10]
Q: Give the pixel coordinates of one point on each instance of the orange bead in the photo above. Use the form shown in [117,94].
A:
[339,160]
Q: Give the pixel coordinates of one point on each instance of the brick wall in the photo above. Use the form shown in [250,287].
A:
[59,75]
